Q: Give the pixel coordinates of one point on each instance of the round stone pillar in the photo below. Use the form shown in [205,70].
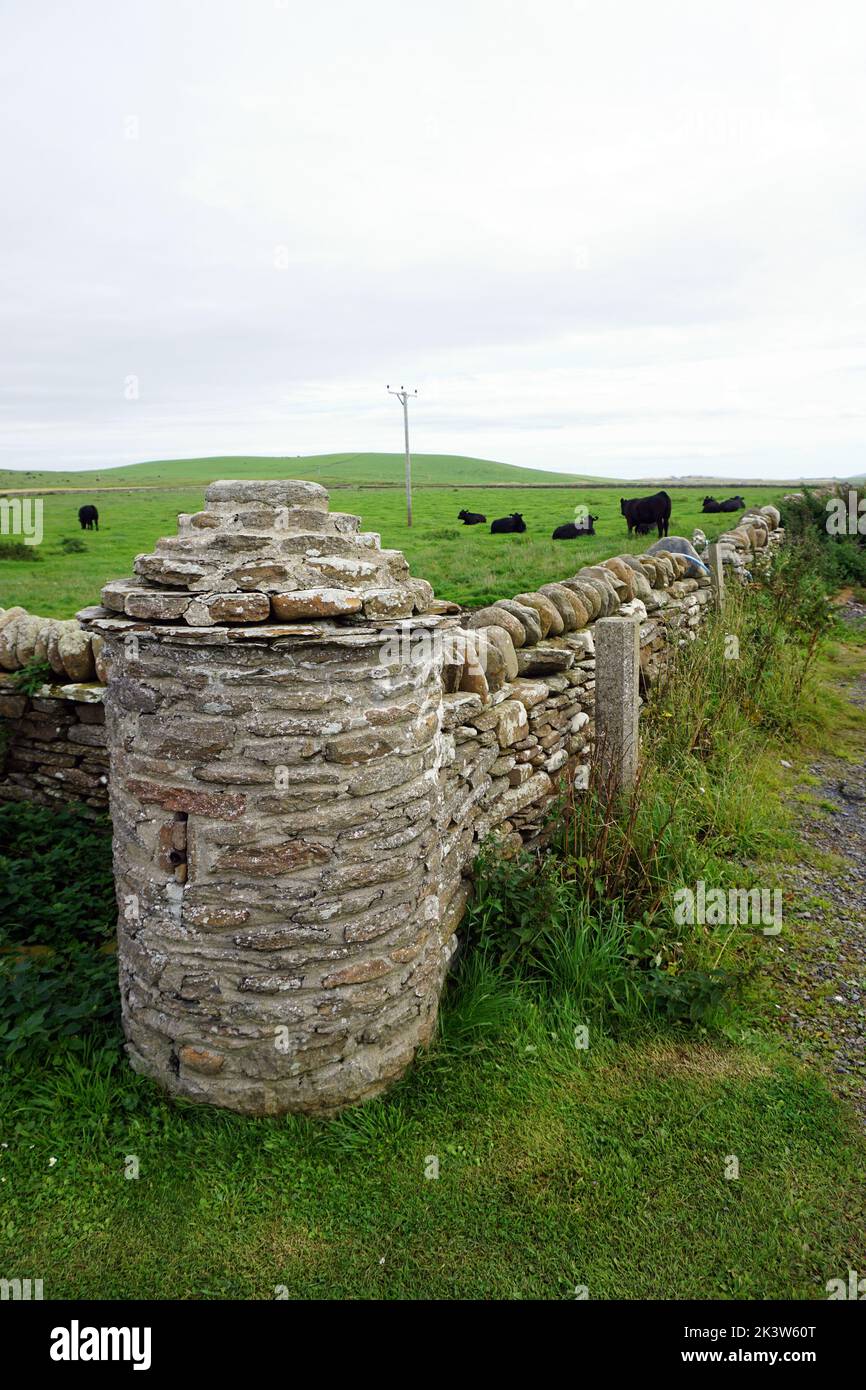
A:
[274,796]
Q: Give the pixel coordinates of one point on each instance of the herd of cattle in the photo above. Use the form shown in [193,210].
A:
[641,513]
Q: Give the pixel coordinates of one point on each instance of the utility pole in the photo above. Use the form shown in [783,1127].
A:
[403,397]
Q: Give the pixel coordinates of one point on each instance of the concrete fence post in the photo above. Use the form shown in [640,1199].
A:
[617,674]
[717,573]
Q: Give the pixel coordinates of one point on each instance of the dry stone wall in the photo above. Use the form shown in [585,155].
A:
[53,746]
[510,746]
[52,743]
[307,750]
[61,644]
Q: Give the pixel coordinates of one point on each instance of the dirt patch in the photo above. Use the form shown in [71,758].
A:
[690,1061]
[820,970]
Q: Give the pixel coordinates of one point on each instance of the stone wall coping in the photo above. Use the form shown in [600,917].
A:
[83,692]
[108,624]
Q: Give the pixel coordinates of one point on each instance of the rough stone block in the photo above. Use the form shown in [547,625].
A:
[617,693]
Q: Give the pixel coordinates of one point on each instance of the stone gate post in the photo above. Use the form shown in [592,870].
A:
[715,556]
[273,714]
[617,702]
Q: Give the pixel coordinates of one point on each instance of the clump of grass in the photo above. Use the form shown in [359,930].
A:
[17,550]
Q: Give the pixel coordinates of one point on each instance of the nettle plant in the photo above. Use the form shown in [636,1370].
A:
[30,678]
[58,973]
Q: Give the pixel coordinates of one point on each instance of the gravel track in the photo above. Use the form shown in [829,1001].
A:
[820,972]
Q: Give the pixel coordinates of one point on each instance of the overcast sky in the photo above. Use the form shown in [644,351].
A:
[620,238]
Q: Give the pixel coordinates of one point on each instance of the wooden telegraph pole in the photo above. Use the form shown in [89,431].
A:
[403,397]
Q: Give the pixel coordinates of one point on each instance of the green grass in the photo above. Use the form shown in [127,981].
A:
[465,564]
[333,470]
[556,1169]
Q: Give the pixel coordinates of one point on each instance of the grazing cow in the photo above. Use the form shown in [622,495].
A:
[89,517]
[572,530]
[471,518]
[506,525]
[647,511]
[731,504]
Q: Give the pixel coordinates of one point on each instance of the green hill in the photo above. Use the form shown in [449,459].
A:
[333,470]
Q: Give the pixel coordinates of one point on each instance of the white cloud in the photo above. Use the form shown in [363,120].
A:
[622,239]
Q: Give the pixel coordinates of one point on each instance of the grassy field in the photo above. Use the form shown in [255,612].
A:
[332,470]
[465,564]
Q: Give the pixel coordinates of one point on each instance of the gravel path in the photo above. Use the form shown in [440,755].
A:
[821,970]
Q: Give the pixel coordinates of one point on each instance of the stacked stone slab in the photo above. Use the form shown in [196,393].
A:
[268,551]
[275,797]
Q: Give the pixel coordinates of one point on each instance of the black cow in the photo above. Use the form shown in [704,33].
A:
[647,511]
[506,525]
[572,530]
[470,518]
[732,504]
[89,517]
[642,529]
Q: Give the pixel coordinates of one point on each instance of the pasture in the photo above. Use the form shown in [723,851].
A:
[465,564]
[332,470]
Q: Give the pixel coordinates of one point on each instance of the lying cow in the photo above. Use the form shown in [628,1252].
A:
[731,504]
[647,511]
[572,530]
[471,518]
[89,517]
[506,525]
